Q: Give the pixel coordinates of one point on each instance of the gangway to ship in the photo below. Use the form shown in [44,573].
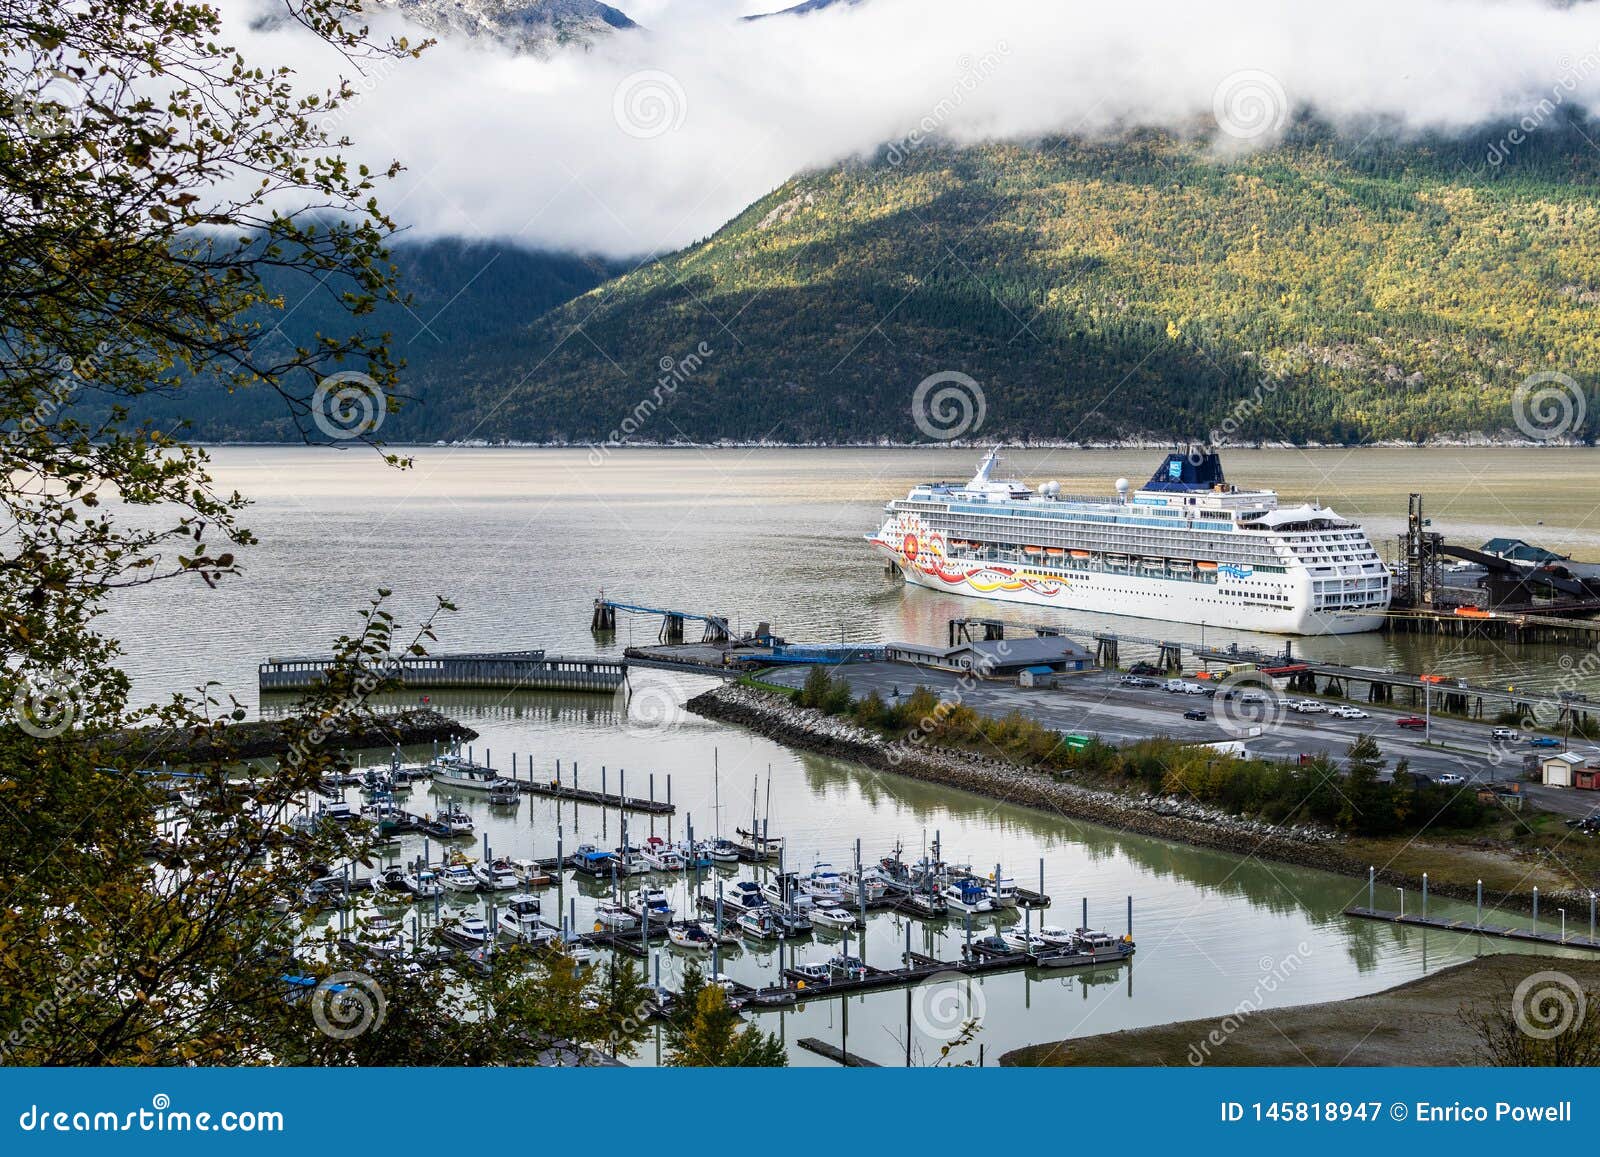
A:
[605,619]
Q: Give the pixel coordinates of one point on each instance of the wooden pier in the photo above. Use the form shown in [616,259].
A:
[555,789]
[1501,931]
[508,670]
[836,1054]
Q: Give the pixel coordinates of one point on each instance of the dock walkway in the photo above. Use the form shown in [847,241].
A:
[1502,931]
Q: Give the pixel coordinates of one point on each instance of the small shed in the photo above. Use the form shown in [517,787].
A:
[1036,677]
[1557,770]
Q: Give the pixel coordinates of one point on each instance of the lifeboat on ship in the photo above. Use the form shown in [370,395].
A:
[1206,566]
[1054,552]
[1033,551]
[1080,554]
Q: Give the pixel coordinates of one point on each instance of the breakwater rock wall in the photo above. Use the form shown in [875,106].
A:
[776,717]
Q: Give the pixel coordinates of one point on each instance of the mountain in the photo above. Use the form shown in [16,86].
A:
[536,27]
[1329,289]
[807,7]
[464,296]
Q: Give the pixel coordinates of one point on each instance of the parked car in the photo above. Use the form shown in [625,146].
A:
[1452,779]
[1544,741]
[1413,722]
[1505,733]
[1137,681]
[1306,707]
[1194,713]
[1174,686]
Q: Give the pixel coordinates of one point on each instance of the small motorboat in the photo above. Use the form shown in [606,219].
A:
[729,935]
[422,882]
[724,851]
[1021,941]
[383,936]
[823,885]
[689,936]
[967,895]
[452,821]
[1002,892]
[1056,937]
[785,893]
[499,876]
[504,793]
[832,916]
[469,930]
[519,921]
[662,856]
[652,904]
[614,918]
[530,874]
[744,896]
[761,924]
[458,877]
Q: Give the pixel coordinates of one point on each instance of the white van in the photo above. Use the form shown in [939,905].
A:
[1506,733]
[1174,685]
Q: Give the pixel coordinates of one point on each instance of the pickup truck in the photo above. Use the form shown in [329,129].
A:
[1411,722]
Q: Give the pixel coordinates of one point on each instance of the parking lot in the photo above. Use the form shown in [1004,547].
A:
[1097,703]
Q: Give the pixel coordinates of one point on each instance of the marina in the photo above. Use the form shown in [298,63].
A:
[1207,918]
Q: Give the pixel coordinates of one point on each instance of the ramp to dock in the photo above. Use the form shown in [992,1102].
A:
[509,670]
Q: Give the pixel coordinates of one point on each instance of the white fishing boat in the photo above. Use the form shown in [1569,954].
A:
[744,896]
[530,874]
[458,877]
[457,771]
[1002,891]
[1056,937]
[422,882]
[823,885]
[760,924]
[498,876]
[871,880]
[662,856]
[652,903]
[519,921]
[785,893]
[966,895]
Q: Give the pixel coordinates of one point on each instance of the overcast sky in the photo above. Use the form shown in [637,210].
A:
[654,139]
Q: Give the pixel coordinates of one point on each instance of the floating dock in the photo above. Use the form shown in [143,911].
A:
[1502,931]
[508,670]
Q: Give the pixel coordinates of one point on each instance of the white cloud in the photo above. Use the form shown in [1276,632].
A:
[533,150]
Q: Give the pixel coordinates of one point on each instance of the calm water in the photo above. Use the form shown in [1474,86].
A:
[522,541]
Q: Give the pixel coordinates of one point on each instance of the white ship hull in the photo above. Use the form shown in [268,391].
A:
[1127,595]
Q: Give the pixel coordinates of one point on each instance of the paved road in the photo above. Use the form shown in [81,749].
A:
[1094,703]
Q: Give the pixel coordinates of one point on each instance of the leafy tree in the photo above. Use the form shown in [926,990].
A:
[710,1036]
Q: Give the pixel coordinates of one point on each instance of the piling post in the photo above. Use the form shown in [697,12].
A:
[1591,915]
[558,777]
[1085,912]
[1480,905]
[1130,917]
[669,787]
[652,787]
[602,784]
[1536,907]
[1424,895]
[1372,883]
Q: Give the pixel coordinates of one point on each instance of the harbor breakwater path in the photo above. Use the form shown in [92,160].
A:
[777,718]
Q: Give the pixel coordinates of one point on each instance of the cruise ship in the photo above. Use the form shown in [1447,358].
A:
[1187,547]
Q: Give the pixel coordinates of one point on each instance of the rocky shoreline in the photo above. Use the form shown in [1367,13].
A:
[1164,817]
[267,737]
